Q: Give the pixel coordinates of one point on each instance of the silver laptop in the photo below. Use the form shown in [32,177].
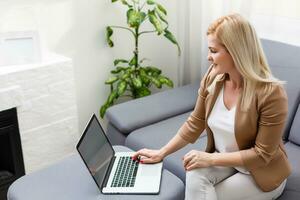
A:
[115,172]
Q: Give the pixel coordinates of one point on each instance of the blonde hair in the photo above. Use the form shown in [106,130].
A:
[240,39]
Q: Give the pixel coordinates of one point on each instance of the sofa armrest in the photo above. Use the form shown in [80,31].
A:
[141,112]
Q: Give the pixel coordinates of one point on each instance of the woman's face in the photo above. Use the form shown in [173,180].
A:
[219,56]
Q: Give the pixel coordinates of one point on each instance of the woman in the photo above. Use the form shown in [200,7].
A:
[243,108]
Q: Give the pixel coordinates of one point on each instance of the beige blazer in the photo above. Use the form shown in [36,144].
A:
[258,131]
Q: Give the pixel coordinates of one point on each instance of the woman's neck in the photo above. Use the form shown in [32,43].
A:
[235,80]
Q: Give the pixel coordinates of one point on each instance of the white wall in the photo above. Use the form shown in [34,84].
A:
[44,95]
[75,28]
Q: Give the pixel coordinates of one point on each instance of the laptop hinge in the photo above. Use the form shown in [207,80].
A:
[107,175]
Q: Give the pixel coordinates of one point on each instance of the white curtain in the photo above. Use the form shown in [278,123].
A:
[273,19]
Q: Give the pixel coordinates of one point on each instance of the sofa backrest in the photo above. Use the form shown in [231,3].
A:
[295,128]
[284,61]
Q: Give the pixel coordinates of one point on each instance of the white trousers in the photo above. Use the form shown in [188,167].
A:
[225,183]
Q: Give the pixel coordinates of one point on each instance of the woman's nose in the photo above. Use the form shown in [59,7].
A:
[209,58]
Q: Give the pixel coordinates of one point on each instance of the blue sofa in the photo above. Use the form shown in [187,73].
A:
[150,122]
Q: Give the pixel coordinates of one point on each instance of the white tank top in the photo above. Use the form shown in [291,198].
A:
[221,122]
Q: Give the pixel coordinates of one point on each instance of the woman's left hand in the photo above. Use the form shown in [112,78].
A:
[197,159]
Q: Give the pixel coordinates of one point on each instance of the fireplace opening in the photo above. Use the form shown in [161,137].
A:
[11,157]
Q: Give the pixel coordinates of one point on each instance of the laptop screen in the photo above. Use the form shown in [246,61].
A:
[95,150]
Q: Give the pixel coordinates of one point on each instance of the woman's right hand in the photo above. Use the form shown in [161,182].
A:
[148,156]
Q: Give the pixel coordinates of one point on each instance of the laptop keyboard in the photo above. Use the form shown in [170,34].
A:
[126,172]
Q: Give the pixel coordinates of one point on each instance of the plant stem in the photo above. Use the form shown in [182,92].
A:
[121,27]
[136,50]
[146,32]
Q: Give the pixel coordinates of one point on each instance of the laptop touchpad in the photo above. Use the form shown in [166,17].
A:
[149,170]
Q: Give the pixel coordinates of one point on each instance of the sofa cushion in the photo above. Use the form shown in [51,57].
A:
[144,111]
[293,181]
[279,53]
[157,135]
[284,61]
[115,137]
[293,94]
[295,129]
[289,195]
[291,76]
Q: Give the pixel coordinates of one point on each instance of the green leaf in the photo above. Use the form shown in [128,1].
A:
[143,91]
[109,33]
[137,82]
[155,22]
[103,110]
[146,81]
[142,71]
[133,61]
[113,95]
[115,71]
[161,15]
[118,70]
[150,2]
[144,77]
[126,75]
[156,82]
[124,2]
[166,81]
[113,1]
[122,85]
[172,38]
[131,69]
[135,18]
[152,70]
[117,61]
[111,80]
[162,9]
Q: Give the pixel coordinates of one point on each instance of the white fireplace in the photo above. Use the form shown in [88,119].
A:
[44,95]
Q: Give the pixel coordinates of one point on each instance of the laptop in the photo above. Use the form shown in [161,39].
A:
[115,172]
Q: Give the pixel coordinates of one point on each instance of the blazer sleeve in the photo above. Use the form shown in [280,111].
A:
[195,124]
[272,117]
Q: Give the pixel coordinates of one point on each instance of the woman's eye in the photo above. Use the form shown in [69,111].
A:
[212,51]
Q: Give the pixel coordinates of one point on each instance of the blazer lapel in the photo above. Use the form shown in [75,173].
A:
[212,97]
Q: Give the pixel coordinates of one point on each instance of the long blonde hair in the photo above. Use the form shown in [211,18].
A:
[242,43]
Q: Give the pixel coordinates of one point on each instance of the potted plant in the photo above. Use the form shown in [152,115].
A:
[130,77]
